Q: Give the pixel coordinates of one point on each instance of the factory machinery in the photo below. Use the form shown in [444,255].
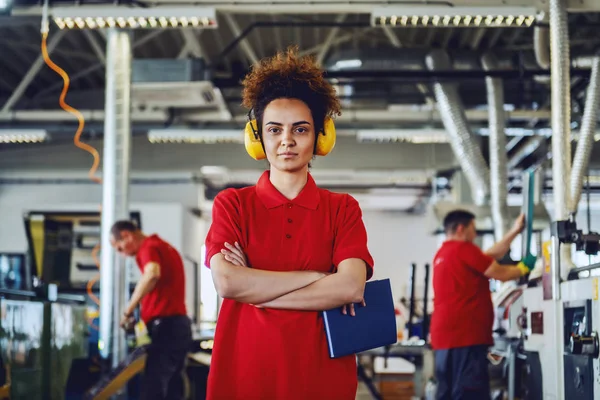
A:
[49,339]
[546,332]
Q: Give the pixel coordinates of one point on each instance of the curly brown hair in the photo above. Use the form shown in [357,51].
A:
[288,75]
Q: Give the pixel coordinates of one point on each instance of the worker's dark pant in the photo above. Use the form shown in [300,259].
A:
[165,364]
[462,373]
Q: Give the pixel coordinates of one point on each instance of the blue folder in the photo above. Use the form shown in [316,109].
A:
[373,326]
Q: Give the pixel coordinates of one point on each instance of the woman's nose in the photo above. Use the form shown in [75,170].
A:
[287,139]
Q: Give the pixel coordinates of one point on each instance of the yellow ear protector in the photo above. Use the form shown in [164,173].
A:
[254,147]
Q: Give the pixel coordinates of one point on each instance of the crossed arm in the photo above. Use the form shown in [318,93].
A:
[294,290]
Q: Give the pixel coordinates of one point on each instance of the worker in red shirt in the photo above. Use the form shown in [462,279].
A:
[161,293]
[462,320]
[284,250]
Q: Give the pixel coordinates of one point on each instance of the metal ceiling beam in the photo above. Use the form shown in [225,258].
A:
[96,46]
[257,43]
[333,6]
[237,32]
[5,84]
[14,67]
[413,76]
[19,57]
[192,43]
[84,72]
[337,41]
[20,45]
[71,40]
[392,37]
[394,41]
[365,6]
[277,34]
[479,34]
[330,38]
[186,157]
[494,37]
[183,53]
[393,114]
[241,36]
[30,75]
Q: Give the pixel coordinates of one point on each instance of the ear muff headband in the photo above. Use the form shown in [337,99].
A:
[255,149]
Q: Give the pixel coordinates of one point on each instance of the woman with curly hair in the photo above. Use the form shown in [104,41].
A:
[284,250]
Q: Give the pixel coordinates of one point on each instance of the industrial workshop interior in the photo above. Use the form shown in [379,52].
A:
[131,131]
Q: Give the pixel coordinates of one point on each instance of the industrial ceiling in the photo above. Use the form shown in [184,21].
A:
[380,73]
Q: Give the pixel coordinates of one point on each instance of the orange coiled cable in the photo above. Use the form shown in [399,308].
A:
[72,110]
[81,145]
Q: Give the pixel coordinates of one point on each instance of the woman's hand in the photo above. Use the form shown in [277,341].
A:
[234,254]
[351,307]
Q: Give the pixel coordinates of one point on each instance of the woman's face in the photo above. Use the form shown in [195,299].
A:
[288,133]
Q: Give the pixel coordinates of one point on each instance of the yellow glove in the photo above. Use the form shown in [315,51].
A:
[527,264]
[523,268]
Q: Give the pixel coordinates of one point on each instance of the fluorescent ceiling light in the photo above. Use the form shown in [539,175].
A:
[347,64]
[195,136]
[417,136]
[5,7]
[519,132]
[93,17]
[435,16]
[23,135]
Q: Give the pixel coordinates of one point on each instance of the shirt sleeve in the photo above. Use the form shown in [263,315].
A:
[351,236]
[474,258]
[147,254]
[225,226]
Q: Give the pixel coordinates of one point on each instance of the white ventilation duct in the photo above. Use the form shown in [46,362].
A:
[541,42]
[561,120]
[586,134]
[453,117]
[497,145]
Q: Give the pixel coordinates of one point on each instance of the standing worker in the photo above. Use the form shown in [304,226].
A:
[284,250]
[161,292]
[463,314]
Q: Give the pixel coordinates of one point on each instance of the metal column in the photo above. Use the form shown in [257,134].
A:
[115,194]
[561,166]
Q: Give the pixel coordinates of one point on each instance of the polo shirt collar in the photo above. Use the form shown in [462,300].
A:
[271,197]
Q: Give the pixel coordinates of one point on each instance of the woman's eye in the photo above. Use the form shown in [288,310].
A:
[301,130]
[274,130]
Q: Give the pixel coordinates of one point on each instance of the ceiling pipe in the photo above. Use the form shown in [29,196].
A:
[541,41]
[497,148]
[453,116]
[561,121]
[527,148]
[586,135]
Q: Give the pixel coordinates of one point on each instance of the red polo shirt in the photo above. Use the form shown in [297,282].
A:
[168,296]
[282,354]
[463,314]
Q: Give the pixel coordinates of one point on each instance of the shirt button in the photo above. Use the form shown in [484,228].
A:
[288,236]
[289,205]
[290,220]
